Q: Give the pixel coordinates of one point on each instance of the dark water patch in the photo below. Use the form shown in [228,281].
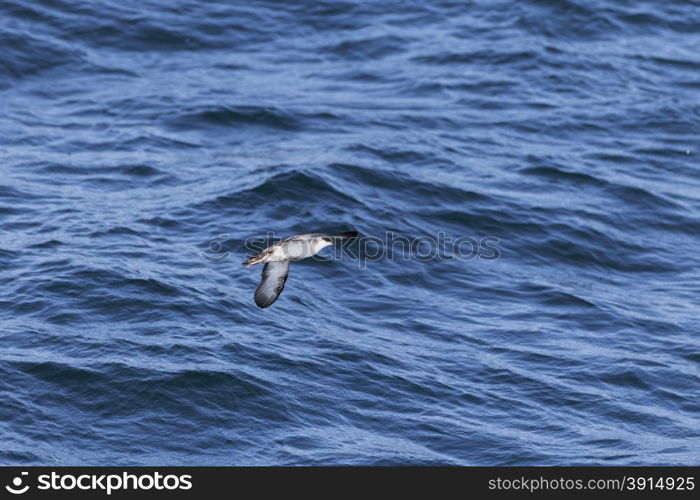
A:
[135,33]
[398,156]
[112,178]
[233,117]
[578,253]
[618,158]
[139,170]
[19,457]
[627,194]
[372,48]
[109,288]
[559,174]
[8,255]
[364,76]
[9,210]
[65,318]
[670,120]
[641,197]
[47,244]
[30,306]
[626,378]
[685,64]
[153,142]
[661,153]
[75,387]
[12,193]
[299,187]
[407,185]
[568,19]
[523,57]
[162,222]
[562,299]
[119,231]
[672,17]
[483,220]
[496,88]
[25,55]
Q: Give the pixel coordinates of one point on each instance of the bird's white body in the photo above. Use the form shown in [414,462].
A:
[297,248]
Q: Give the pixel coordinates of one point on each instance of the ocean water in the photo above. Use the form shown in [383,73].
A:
[142,144]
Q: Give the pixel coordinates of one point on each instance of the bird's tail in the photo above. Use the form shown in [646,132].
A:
[348,235]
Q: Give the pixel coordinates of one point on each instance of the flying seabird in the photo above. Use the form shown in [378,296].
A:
[278,256]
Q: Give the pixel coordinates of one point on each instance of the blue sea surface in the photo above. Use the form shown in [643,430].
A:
[142,143]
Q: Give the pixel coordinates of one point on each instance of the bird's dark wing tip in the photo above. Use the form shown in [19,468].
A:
[263,301]
[348,234]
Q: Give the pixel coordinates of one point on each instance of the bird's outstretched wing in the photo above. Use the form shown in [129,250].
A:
[274,276]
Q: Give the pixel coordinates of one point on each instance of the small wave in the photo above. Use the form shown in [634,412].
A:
[409,186]
[629,194]
[26,55]
[368,48]
[558,174]
[221,116]
[297,186]
[568,19]
[112,178]
[479,57]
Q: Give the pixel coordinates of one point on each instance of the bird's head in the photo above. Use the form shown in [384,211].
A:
[323,242]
